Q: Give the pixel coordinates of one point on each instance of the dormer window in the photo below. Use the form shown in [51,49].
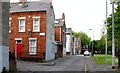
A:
[56,22]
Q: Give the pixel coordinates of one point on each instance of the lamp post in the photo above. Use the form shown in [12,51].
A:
[92,43]
[113,42]
[106,35]
[89,44]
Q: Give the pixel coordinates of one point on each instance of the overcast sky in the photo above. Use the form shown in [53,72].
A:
[82,15]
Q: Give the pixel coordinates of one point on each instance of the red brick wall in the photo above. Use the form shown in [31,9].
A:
[62,34]
[41,40]
[59,36]
[57,33]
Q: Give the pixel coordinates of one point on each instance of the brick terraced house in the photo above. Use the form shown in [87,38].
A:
[60,36]
[31,33]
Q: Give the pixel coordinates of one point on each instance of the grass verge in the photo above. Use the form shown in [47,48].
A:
[100,59]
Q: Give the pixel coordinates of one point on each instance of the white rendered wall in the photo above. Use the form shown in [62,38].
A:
[64,52]
[4,32]
[68,43]
[4,57]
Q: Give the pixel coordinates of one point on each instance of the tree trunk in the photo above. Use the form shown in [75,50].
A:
[118,62]
[119,53]
[118,58]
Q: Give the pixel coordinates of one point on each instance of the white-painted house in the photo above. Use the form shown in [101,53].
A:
[69,41]
[76,45]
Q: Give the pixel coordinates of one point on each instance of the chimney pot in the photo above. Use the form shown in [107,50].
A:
[22,1]
[48,1]
[63,16]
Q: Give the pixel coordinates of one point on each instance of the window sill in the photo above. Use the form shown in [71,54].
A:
[36,31]
[21,31]
[32,54]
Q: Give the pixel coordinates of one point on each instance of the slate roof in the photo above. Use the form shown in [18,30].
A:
[29,6]
[59,22]
[69,30]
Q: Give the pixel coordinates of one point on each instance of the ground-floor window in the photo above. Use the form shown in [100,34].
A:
[32,46]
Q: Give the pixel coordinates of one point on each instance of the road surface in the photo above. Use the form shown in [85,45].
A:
[77,63]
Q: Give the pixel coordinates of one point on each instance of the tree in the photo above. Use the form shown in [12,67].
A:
[75,34]
[85,40]
[99,45]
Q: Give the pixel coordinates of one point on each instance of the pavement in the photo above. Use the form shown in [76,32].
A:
[53,62]
[49,63]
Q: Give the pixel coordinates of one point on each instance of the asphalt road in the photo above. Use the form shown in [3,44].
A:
[73,63]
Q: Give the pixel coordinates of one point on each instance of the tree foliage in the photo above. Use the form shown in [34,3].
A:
[85,40]
[100,45]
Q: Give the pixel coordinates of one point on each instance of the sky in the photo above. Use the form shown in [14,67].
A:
[82,15]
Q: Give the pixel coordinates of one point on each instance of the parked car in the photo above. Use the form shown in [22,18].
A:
[86,53]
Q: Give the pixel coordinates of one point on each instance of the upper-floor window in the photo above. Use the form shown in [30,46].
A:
[10,25]
[36,24]
[21,24]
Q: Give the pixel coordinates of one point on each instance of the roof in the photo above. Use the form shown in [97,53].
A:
[59,22]
[29,6]
[69,30]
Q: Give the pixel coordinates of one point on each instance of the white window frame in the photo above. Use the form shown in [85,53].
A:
[22,18]
[36,17]
[31,52]
[10,25]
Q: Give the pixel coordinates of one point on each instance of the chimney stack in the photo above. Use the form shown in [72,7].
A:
[63,16]
[22,1]
[48,1]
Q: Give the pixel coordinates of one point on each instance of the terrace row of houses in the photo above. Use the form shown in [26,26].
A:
[34,33]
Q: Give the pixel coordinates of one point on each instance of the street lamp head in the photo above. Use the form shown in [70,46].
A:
[90,29]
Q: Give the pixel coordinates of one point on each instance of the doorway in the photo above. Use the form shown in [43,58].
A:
[19,49]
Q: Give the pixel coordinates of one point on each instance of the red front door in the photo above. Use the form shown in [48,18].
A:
[19,50]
